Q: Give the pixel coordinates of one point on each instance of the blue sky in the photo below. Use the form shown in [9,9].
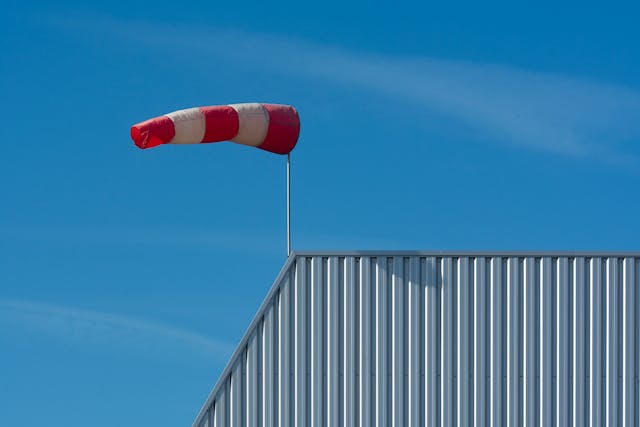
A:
[127,276]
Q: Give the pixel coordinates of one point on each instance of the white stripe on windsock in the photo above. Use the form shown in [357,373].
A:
[189,125]
[254,123]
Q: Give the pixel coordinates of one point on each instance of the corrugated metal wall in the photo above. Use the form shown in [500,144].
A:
[416,339]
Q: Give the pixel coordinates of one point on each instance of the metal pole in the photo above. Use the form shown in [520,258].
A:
[288,204]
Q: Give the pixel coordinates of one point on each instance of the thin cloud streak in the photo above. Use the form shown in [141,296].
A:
[544,111]
[84,326]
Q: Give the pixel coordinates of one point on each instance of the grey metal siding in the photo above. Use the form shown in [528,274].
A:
[411,338]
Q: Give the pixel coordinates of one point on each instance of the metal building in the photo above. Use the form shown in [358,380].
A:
[439,338]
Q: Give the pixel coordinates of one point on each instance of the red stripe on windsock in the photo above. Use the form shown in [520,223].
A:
[221,123]
[284,128]
[153,132]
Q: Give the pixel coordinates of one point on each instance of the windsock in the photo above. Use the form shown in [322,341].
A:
[270,127]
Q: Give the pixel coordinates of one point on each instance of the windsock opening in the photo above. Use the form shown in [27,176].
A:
[284,129]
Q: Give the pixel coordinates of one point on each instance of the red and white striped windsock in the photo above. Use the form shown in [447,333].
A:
[271,127]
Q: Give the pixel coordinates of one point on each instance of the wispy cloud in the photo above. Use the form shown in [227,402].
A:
[87,326]
[545,111]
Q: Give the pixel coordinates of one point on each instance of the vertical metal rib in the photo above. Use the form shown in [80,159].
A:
[613,344]
[597,343]
[531,347]
[628,338]
[580,350]
[480,324]
[252,380]
[366,332]
[497,349]
[219,418]
[267,369]
[546,344]
[284,333]
[415,344]
[317,344]
[397,344]
[514,335]
[562,355]
[465,351]
[236,402]
[447,355]
[301,333]
[432,341]
[349,343]
[333,344]
[382,344]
